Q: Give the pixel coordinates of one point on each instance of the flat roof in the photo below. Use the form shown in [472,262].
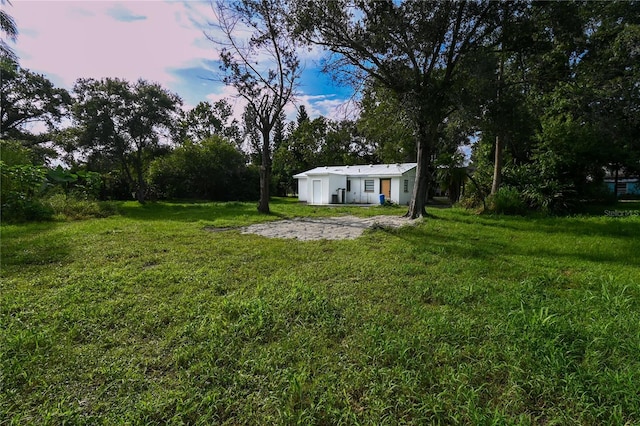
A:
[397,169]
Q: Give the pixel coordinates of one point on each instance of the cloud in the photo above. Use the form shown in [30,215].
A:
[160,41]
[75,40]
[80,12]
[229,93]
[330,106]
[121,13]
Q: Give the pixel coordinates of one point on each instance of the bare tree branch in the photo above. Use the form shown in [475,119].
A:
[259,60]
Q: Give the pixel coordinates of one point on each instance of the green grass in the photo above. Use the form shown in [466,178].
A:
[147,318]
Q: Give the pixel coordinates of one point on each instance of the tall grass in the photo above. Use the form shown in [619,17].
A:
[147,318]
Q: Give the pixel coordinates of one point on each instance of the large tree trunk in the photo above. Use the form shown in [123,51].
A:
[497,165]
[499,148]
[141,186]
[127,172]
[265,174]
[417,207]
[455,188]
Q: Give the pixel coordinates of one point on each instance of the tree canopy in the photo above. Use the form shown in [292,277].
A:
[123,122]
[413,49]
[27,98]
[9,28]
[264,69]
[206,120]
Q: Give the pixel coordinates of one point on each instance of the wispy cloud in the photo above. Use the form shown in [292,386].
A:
[72,42]
[160,41]
[330,106]
[121,13]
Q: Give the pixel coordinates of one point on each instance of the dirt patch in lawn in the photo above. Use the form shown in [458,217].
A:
[327,228]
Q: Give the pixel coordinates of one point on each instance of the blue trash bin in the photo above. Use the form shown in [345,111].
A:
[381,199]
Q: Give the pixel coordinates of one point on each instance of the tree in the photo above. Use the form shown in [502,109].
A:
[298,150]
[212,169]
[302,116]
[385,125]
[9,28]
[559,84]
[14,153]
[27,98]
[206,120]
[452,175]
[263,69]
[531,53]
[279,131]
[124,122]
[412,48]
[344,144]
[608,76]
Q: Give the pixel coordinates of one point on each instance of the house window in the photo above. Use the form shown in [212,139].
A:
[406,185]
[368,185]
[348,185]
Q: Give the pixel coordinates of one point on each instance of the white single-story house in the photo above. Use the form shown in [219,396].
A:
[357,184]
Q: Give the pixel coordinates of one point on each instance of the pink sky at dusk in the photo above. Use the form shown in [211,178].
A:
[156,40]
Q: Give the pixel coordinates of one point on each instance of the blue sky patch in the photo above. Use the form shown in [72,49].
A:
[194,83]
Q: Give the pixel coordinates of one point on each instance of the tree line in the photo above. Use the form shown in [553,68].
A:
[135,138]
[545,94]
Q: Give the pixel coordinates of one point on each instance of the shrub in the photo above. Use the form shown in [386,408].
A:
[20,187]
[13,153]
[540,187]
[507,200]
[82,184]
[73,208]
[116,186]
[472,199]
[211,170]
[27,210]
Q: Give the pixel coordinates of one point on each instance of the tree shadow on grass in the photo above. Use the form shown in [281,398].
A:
[31,244]
[619,227]
[194,211]
[505,238]
[233,213]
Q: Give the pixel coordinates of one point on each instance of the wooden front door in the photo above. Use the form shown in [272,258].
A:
[385,188]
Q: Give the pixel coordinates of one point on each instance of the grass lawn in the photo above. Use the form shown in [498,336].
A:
[146,318]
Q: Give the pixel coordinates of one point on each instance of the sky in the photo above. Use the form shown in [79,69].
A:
[156,40]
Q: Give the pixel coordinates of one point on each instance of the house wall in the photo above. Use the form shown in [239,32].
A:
[353,195]
[357,195]
[302,189]
[611,186]
[404,198]
[336,182]
[324,185]
[329,185]
[633,188]
[396,187]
